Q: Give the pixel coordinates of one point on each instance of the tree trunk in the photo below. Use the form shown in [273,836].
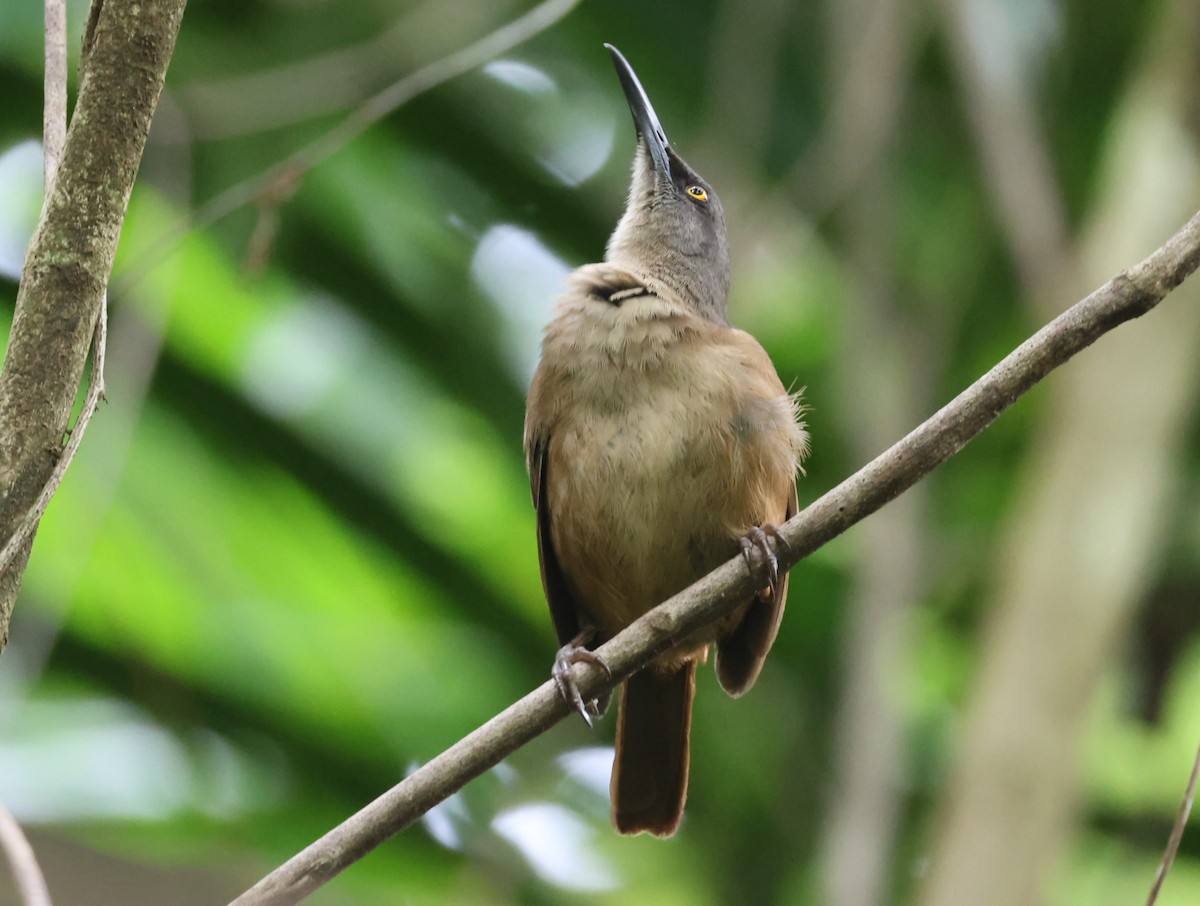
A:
[126,52]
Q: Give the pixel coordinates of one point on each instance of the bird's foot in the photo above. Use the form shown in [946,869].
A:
[575,652]
[759,538]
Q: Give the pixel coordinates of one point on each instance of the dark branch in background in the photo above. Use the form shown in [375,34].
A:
[1185,809]
[70,258]
[1126,296]
[284,177]
[31,886]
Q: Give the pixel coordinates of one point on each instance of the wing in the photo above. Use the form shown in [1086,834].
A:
[742,653]
[563,608]
[588,284]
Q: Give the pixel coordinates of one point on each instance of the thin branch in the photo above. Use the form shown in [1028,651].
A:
[66,271]
[1126,296]
[316,85]
[54,131]
[293,168]
[1185,809]
[54,104]
[28,876]
[1017,168]
[95,393]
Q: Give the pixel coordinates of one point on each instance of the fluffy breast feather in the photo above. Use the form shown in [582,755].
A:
[670,436]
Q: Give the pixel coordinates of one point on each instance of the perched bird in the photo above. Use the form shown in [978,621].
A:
[660,442]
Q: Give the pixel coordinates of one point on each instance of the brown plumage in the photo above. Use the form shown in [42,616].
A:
[657,436]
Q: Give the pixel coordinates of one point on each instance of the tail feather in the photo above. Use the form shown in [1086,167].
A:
[650,774]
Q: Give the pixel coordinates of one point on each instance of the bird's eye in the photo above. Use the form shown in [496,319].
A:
[698,193]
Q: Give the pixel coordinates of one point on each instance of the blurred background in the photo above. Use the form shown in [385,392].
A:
[295,557]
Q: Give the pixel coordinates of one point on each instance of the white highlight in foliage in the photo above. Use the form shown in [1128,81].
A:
[558,846]
[523,278]
[583,144]
[521,76]
[297,355]
[1012,38]
[441,822]
[95,759]
[20,203]
[590,768]
[569,131]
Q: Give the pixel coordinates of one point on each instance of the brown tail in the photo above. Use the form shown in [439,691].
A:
[650,774]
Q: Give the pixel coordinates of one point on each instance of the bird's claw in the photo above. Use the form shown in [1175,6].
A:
[758,537]
[568,655]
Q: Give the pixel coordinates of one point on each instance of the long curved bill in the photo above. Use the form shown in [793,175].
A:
[644,117]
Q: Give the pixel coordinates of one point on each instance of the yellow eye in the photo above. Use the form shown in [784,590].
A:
[698,193]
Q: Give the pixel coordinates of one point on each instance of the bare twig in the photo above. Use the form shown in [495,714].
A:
[1126,296]
[28,876]
[54,127]
[266,229]
[322,84]
[292,168]
[1185,809]
[54,105]
[66,271]
[54,136]
[95,393]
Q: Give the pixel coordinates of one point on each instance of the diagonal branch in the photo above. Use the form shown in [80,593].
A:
[1185,809]
[286,174]
[1127,295]
[31,885]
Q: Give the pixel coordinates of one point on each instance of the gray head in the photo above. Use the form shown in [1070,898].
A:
[673,229]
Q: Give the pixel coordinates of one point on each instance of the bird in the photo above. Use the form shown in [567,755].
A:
[660,442]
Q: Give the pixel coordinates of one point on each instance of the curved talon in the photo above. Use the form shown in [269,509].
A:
[757,537]
[567,656]
[773,530]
